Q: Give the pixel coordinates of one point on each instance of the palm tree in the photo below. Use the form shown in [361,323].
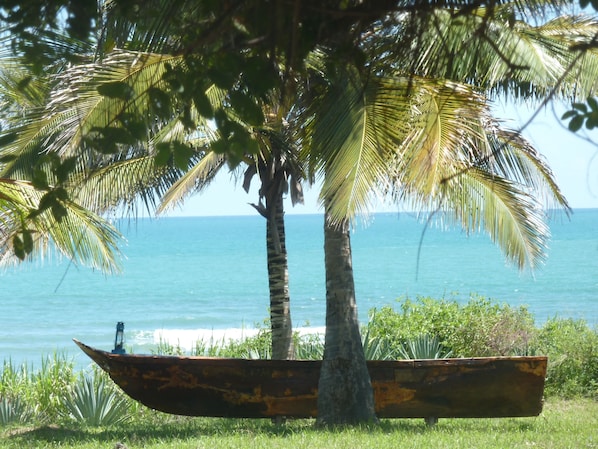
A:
[279,174]
[432,141]
[269,154]
[163,32]
[128,170]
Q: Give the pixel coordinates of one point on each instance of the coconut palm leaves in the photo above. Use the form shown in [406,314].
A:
[505,54]
[113,104]
[37,215]
[433,144]
[78,233]
[117,121]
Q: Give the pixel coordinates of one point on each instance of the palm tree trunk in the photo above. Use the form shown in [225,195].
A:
[345,394]
[278,282]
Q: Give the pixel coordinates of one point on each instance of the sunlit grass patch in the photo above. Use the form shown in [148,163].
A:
[563,424]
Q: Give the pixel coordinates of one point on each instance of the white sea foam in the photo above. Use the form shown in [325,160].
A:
[187,339]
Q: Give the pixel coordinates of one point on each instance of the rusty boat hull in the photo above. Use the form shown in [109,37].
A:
[227,387]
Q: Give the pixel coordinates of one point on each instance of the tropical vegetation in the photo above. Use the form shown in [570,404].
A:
[376,99]
[60,393]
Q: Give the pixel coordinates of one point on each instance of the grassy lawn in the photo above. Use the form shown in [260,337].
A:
[563,424]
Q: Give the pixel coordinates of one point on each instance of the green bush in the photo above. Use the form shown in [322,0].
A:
[39,392]
[56,375]
[484,328]
[423,347]
[258,346]
[309,347]
[477,328]
[572,350]
[489,329]
[426,316]
[166,348]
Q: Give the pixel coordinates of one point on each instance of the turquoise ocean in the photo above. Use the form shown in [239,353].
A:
[191,278]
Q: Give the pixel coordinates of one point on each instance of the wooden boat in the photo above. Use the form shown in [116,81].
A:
[221,387]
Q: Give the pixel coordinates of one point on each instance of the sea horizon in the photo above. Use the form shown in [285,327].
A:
[206,276]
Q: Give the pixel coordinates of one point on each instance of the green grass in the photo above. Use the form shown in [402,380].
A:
[563,424]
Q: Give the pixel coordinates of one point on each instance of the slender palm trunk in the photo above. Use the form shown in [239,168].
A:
[278,281]
[345,394]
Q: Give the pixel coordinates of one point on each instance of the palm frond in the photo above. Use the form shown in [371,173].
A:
[436,144]
[87,238]
[78,106]
[194,180]
[419,125]
[156,27]
[507,55]
[122,183]
[351,135]
[20,90]
[512,217]
[444,131]
[15,204]
[514,158]
[491,179]
[80,235]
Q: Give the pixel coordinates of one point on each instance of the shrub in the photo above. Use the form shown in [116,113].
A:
[426,316]
[166,348]
[490,329]
[572,350]
[38,392]
[57,374]
[309,347]
[255,347]
[13,380]
[478,328]
[374,347]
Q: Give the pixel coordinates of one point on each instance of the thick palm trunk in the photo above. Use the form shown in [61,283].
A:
[345,394]
[278,282]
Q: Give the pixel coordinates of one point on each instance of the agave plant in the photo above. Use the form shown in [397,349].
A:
[94,401]
[423,347]
[14,410]
[376,348]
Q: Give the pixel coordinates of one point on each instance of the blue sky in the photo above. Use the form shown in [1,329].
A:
[573,160]
[573,157]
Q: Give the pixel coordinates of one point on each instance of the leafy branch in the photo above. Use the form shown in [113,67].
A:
[582,113]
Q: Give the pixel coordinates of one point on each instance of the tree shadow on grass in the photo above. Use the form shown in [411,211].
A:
[177,428]
[184,428]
